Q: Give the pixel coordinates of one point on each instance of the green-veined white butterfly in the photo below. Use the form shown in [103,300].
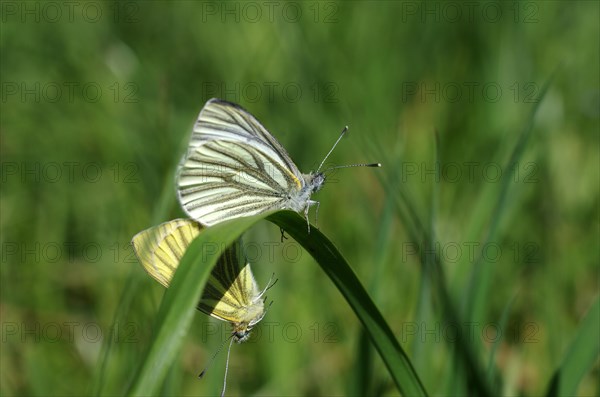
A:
[234,168]
[231,293]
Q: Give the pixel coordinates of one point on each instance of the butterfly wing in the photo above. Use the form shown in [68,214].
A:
[159,249]
[234,167]
[222,120]
[231,293]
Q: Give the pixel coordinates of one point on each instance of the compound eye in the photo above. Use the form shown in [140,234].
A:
[242,336]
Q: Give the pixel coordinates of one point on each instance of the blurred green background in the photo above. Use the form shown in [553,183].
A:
[98,100]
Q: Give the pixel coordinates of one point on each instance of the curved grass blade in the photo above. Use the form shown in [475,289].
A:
[338,270]
[432,267]
[99,378]
[580,357]
[481,277]
[366,381]
[492,370]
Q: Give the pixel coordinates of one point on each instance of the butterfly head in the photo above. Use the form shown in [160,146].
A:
[241,332]
[316,181]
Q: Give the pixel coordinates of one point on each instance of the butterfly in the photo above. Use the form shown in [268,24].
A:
[231,293]
[235,168]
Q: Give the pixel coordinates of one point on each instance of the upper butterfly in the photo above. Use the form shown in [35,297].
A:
[234,168]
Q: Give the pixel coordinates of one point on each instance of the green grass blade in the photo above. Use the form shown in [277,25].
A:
[338,270]
[98,381]
[364,378]
[417,228]
[364,368]
[481,276]
[580,357]
[424,310]
[492,369]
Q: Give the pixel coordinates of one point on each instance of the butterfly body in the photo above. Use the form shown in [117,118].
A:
[299,200]
[252,315]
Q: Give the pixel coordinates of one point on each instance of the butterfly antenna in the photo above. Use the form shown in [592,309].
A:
[334,145]
[226,368]
[269,285]
[214,356]
[353,165]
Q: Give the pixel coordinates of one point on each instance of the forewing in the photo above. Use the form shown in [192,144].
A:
[160,248]
[223,179]
[222,120]
[234,167]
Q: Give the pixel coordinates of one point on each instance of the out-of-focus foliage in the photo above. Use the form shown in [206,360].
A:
[98,100]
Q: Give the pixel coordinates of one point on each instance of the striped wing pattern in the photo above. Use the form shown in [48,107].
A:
[234,167]
[159,249]
[220,119]
[231,293]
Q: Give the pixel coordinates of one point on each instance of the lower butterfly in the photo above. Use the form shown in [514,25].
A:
[234,168]
[231,293]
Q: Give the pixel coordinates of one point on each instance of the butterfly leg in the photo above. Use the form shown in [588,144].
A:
[283,236]
[311,203]
[317,214]
[306,216]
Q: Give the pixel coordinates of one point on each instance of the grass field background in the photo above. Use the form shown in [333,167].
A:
[98,101]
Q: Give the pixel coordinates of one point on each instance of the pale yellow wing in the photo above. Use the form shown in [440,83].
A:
[159,249]
[231,293]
